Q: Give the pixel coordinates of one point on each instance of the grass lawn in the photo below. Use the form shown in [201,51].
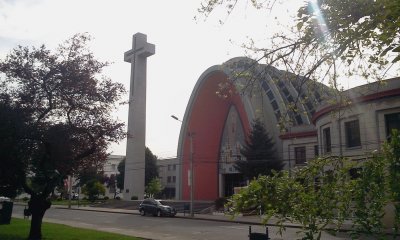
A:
[19,230]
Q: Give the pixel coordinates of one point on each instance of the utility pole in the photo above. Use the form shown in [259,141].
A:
[191,175]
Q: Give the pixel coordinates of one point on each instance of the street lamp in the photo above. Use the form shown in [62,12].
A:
[191,176]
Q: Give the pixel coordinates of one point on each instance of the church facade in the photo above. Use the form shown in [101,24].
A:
[227,99]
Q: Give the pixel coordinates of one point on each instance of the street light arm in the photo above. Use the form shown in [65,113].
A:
[176,118]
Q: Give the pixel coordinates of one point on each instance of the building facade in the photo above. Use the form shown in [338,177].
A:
[220,114]
[110,171]
[298,114]
[362,123]
[167,172]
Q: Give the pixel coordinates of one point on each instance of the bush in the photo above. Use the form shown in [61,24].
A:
[134,198]
[93,189]
[118,197]
[106,198]
[25,199]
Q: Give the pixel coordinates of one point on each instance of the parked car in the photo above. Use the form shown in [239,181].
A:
[156,207]
[4,199]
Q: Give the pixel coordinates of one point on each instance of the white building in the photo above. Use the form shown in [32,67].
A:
[110,169]
[167,172]
[363,124]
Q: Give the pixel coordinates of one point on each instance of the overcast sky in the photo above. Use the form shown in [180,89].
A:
[184,47]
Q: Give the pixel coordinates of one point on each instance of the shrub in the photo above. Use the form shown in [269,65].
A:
[106,198]
[25,199]
[93,189]
[134,198]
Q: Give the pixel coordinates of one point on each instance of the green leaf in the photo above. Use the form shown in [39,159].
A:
[397,49]
[299,25]
[396,59]
[386,51]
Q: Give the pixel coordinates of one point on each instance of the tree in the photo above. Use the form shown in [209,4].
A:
[260,154]
[121,174]
[68,125]
[327,41]
[89,174]
[93,189]
[151,169]
[154,187]
[111,183]
[346,30]
[13,129]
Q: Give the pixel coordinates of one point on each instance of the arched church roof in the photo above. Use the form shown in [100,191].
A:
[255,91]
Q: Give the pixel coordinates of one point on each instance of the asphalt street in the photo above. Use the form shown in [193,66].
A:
[159,227]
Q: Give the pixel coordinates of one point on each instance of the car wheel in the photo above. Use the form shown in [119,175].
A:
[142,212]
[158,213]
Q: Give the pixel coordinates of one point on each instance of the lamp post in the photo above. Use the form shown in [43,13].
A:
[190,135]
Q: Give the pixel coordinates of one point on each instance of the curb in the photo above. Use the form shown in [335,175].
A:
[178,216]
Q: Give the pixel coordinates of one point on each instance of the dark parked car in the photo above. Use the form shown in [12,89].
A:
[156,207]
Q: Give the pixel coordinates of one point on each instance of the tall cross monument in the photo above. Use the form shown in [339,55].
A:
[135,146]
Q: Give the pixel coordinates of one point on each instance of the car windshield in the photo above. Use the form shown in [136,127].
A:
[159,202]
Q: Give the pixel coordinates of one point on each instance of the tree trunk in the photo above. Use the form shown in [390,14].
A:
[38,206]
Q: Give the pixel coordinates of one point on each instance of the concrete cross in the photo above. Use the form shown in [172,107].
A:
[135,146]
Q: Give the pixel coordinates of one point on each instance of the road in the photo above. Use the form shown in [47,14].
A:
[158,227]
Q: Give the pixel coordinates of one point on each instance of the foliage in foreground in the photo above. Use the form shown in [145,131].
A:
[360,35]
[19,229]
[328,41]
[325,194]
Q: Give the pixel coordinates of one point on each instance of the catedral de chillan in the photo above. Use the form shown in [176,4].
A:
[220,113]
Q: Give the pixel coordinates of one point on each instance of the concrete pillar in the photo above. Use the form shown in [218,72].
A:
[135,146]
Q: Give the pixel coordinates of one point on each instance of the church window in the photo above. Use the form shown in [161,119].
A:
[265,86]
[285,91]
[352,130]
[299,120]
[326,135]
[274,105]
[309,105]
[316,151]
[300,155]
[270,95]
[392,121]
[278,115]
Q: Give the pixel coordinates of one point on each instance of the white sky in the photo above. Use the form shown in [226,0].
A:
[184,47]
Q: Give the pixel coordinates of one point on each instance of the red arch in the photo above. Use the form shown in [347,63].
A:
[206,118]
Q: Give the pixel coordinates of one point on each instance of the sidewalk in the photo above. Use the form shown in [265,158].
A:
[216,216]
[254,220]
